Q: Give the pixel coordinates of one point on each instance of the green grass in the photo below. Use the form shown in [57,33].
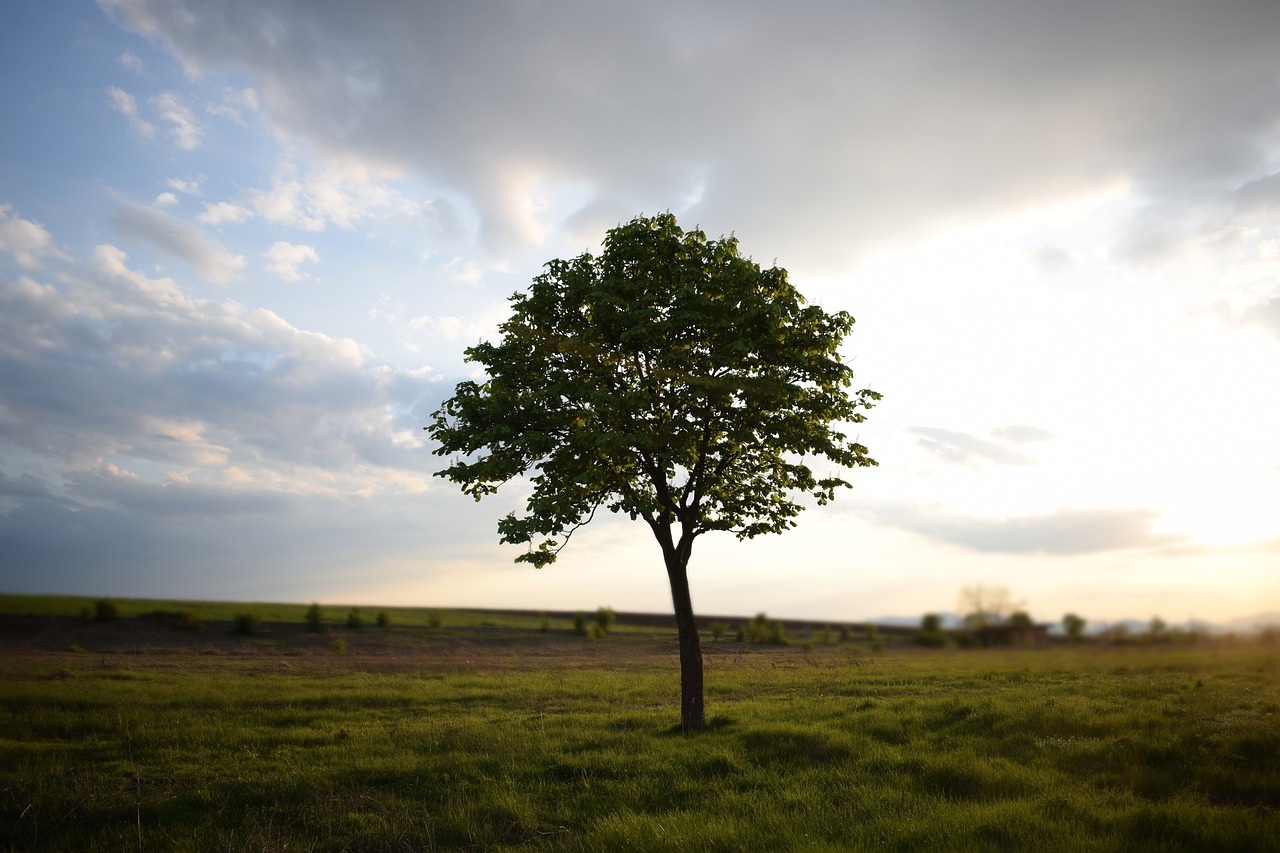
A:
[415,739]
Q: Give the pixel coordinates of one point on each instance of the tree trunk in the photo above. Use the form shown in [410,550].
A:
[692,716]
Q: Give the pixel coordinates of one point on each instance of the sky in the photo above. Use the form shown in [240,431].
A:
[244,244]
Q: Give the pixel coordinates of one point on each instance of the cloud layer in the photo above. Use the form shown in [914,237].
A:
[854,120]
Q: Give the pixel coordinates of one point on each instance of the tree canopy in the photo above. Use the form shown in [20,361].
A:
[671,379]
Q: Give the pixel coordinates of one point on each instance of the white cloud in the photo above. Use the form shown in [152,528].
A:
[217,214]
[338,194]
[130,61]
[179,238]
[186,187]
[225,111]
[165,200]
[27,241]
[285,258]
[128,107]
[183,126]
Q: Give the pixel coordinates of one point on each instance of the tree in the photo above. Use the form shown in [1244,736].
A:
[985,606]
[670,379]
[1074,626]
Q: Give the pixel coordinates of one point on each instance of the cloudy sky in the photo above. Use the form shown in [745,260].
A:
[244,243]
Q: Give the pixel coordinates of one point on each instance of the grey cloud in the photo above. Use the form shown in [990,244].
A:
[1022,434]
[121,364]
[178,238]
[288,553]
[135,495]
[1064,533]
[1265,315]
[1051,259]
[1259,196]
[962,448]
[867,119]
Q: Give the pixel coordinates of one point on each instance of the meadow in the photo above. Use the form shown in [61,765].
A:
[463,730]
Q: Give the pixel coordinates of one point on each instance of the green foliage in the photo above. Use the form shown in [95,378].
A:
[718,630]
[354,620]
[670,379]
[104,610]
[544,624]
[434,620]
[314,619]
[605,617]
[931,634]
[762,629]
[248,623]
[339,645]
[384,621]
[1074,626]
[580,624]
[1020,619]
[182,620]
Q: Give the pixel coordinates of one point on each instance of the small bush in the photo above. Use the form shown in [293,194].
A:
[354,620]
[339,645]
[605,617]
[86,615]
[384,621]
[598,633]
[434,621]
[248,623]
[761,630]
[545,625]
[580,624]
[931,634]
[718,630]
[314,619]
[104,610]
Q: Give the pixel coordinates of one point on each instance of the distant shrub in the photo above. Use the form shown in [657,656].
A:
[384,621]
[248,623]
[605,617]
[718,629]
[1074,626]
[931,634]
[354,620]
[762,630]
[434,621]
[104,610]
[314,619]
[824,636]
[86,615]
[182,620]
[580,624]
[545,624]
[845,634]
[598,633]
[339,645]
[873,638]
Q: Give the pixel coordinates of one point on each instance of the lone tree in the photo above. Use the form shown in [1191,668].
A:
[670,379]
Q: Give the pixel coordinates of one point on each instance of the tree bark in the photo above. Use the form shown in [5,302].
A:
[692,715]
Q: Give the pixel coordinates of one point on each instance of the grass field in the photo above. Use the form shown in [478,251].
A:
[130,734]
